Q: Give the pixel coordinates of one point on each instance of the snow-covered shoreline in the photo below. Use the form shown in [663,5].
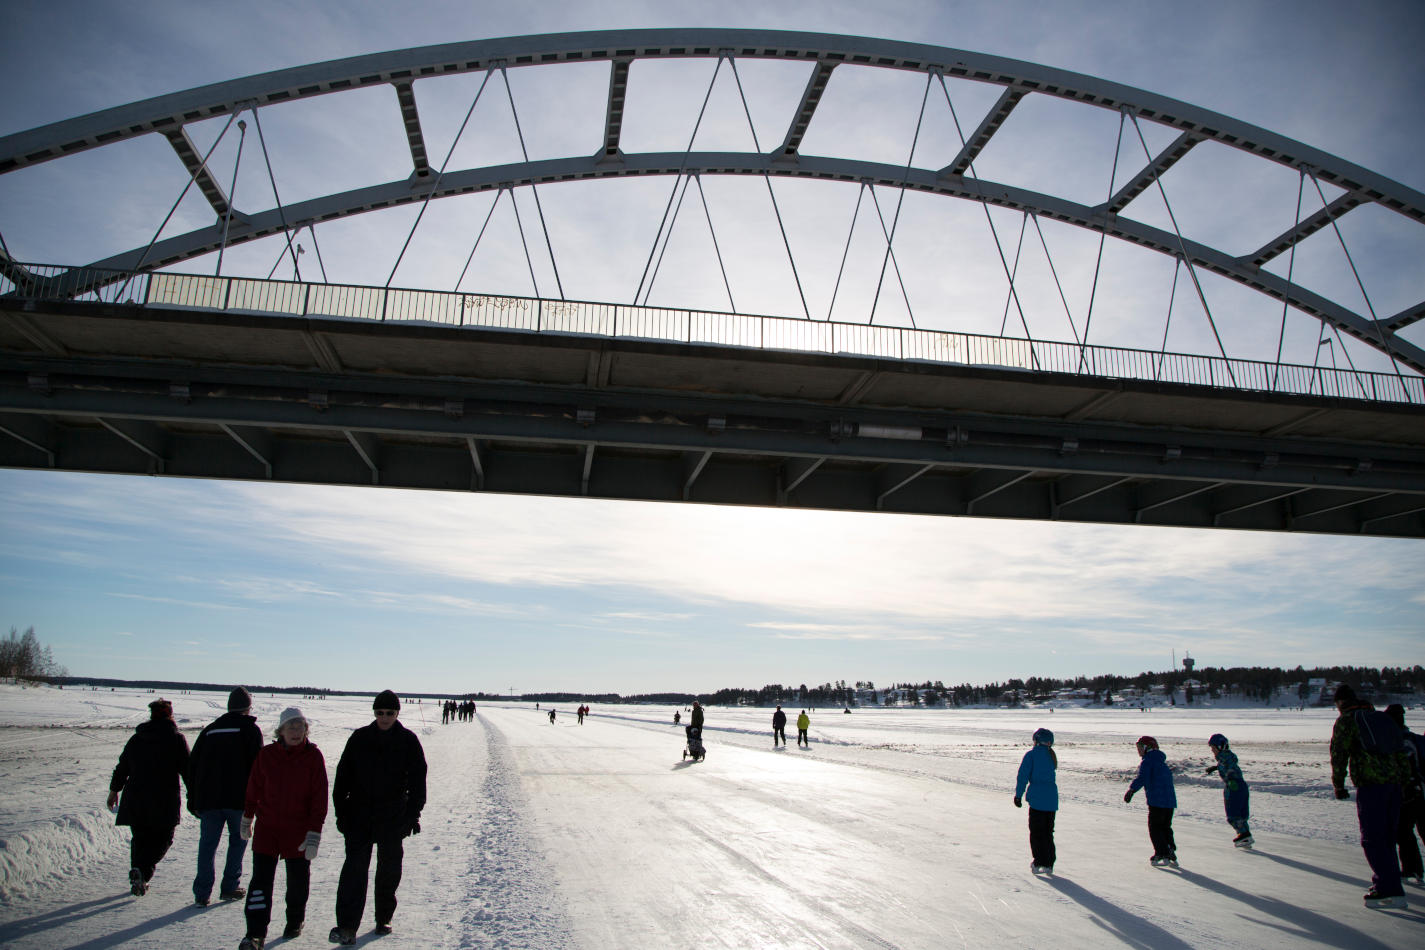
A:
[895,829]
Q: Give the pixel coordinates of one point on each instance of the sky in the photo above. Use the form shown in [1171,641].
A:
[360,588]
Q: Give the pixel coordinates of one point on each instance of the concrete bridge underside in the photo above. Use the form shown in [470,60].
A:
[131,389]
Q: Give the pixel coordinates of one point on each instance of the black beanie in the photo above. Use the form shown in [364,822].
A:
[1397,713]
[239,699]
[386,700]
[1344,694]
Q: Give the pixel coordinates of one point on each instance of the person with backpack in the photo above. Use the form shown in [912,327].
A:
[1234,788]
[1036,774]
[1368,745]
[1412,801]
[1156,779]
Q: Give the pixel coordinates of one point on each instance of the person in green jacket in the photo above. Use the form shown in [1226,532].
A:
[803,724]
[1377,777]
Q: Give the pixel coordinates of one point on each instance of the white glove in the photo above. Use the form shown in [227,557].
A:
[309,844]
[246,830]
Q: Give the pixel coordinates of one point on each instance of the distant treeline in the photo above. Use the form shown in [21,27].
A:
[1264,683]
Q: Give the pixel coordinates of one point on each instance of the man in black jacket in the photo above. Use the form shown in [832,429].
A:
[153,761]
[378,795]
[222,756]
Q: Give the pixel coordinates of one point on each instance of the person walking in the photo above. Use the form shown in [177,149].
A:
[1412,801]
[218,769]
[1375,759]
[779,727]
[1156,779]
[1036,775]
[1234,788]
[144,790]
[378,795]
[803,724]
[284,812]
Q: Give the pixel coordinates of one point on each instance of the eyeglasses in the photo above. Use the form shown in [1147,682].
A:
[386,712]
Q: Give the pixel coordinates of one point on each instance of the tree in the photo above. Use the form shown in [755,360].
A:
[22,657]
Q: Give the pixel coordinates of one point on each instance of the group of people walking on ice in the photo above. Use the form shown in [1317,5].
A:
[779,728]
[274,795]
[1383,758]
[451,711]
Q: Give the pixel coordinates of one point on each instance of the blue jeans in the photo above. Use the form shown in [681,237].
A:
[210,825]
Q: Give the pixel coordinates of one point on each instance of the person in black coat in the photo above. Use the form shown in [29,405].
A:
[222,757]
[378,795]
[154,761]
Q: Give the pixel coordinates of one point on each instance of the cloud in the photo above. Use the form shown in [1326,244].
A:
[150,598]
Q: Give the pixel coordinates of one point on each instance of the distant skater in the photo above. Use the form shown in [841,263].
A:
[779,727]
[1156,779]
[677,717]
[1234,788]
[1412,801]
[153,763]
[551,715]
[803,724]
[1036,773]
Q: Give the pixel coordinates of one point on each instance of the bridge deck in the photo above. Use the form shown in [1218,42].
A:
[135,388]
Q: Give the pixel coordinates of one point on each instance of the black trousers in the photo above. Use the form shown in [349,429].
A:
[1041,836]
[260,896]
[1160,832]
[779,732]
[351,889]
[1412,822]
[150,843]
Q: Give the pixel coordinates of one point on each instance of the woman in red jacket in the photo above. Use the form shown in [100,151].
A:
[287,798]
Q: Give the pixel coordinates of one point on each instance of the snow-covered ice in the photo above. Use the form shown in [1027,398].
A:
[895,829]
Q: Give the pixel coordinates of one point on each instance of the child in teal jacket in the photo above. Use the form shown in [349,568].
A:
[1234,788]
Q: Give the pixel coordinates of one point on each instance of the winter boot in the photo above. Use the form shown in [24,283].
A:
[236,894]
[383,927]
[292,931]
[252,943]
[343,936]
[137,886]
[1041,868]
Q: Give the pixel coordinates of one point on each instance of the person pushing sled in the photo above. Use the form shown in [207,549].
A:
[694,730]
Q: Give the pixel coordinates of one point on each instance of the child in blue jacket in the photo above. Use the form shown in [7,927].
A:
[1036,771]
[1234,788]
[1156,779]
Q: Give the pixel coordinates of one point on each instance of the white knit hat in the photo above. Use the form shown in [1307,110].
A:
[288,714]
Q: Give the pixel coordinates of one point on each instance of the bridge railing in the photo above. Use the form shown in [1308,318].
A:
[537,315]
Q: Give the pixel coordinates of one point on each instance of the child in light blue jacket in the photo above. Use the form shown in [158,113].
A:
[1036,772]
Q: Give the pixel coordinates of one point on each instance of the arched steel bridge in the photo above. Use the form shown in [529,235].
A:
[95,378]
